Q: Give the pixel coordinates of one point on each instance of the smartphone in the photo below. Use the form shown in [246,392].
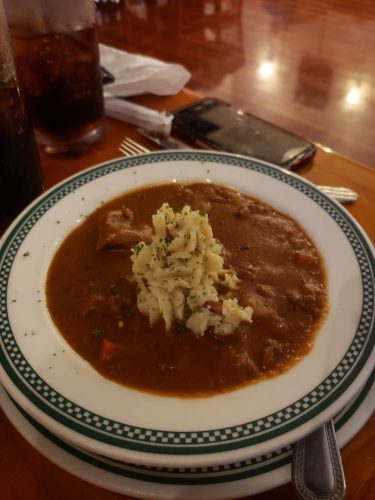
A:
[215,124]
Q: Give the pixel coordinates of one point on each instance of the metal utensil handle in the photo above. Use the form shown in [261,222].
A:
[317,471]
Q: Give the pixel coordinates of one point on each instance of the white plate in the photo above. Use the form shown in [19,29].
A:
[67,396]
[233,481]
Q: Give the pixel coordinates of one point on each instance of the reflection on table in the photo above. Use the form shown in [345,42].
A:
[305,66]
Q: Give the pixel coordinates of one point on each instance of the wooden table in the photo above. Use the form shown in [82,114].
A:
[26,474]
[305,65]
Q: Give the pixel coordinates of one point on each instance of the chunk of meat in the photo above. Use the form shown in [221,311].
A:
[305,258]
[247,271]
[242,360]
[246,209]
[276,223]
[266,290]
[273,351]
[265,309]
[218,195]
[297,242]
[263,306]
[110,305]
[309,298]
[195,200]
[118,232]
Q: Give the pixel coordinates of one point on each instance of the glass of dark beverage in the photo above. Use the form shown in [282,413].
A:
[57,58]
[20,172]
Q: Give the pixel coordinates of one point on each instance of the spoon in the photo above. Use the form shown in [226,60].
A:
[317,471]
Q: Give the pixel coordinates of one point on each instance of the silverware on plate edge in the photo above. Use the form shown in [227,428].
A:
[130,147]
[317,471]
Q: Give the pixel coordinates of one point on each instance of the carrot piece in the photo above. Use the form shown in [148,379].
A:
[107,349]
[305,259]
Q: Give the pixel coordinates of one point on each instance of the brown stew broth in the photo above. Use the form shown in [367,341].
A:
[91,299]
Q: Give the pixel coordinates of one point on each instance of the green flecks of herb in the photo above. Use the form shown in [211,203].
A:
[25,254]
[126,311]
[180,327]
[201,213]
[95,334]
[137,248]
[91,311]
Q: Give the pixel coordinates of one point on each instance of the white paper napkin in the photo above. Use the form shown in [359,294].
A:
[134,75]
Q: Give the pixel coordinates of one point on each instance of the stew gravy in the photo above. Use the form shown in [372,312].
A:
[92,300]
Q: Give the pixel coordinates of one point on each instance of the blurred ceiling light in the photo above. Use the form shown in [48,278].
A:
[209,35]
[266,70]
[209,8]
[353,96]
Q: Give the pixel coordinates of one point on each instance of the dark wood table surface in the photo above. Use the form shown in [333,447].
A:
[304,101]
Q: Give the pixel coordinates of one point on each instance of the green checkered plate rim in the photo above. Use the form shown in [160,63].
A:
[220,474]
[356,361]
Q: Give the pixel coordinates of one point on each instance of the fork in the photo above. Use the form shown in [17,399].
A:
[130,147]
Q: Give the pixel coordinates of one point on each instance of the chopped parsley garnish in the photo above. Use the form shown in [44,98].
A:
[137,248]
[180,327]
[91,310]
[95,334]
